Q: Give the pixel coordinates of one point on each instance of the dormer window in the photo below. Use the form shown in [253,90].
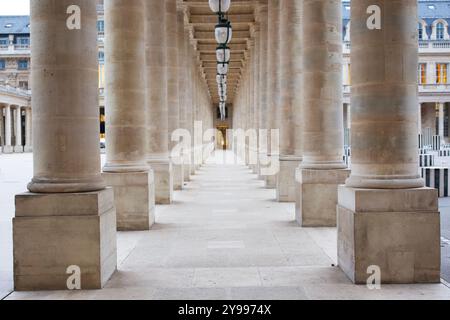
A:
[8,25]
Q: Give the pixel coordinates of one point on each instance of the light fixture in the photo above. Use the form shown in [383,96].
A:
[223,32]
[221,78]
[222,68]
[220,6]
[223,54]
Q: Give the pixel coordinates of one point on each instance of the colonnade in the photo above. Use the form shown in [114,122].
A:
[154,86]
[385,216]
[291,82]
[15,128]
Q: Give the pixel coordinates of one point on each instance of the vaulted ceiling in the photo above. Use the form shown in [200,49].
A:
[201,22]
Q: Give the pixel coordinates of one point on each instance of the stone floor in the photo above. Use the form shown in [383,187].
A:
[223,238]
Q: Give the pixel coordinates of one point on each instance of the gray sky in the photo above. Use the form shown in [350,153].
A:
[14,7]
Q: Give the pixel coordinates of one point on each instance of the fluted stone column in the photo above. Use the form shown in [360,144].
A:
[18,148]
[28,131]
[8,148]
[126,169]
[156,101]
[291,93]
[322,169]
[67,222]
[273,84]
[173,102]
[386,218]
[262,92]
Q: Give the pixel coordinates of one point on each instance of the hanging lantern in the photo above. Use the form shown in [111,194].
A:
[223,32]
[222,68]
[220,6]
[223,54]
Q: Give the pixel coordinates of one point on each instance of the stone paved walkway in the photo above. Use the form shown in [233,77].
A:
[226,238]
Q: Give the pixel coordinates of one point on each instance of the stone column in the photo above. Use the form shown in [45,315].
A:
[18,148]
[28,131]
[8,148]
[273,84]
[419,124]
[290,107]
[156,97]
[386,218]
[441,121]
[323,168]
[126,169]
[183,88]
[173,102]
[263,98]
[68,219]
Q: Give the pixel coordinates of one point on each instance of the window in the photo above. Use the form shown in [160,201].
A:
[2,64]
[101,56]
[441,73]
[422,73]
[440,31]
[23,41]
[4,41]
[23,85]
[101,26]
[23,64]
[420,29]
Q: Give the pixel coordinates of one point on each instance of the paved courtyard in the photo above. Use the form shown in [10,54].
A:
[223,238]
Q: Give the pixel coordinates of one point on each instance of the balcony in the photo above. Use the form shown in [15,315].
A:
[429,46]
[15,49]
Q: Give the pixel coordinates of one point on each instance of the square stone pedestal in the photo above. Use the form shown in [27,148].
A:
[134,197]
[27,149]
[18,149]
[8,149]
[163,173]
[52,232]
[187,171]
[317,195]
[286,185]
[178,176]
[395,230]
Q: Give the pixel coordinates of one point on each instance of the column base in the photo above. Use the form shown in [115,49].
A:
[134,198]
[52,232]
[28,149]
[187,172]
[8,149]
[286,185]
[271,181]
[18,149]
[317,195]
[178,176]
[395,230]
[163,173]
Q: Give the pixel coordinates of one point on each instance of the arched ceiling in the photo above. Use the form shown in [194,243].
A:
[201,22]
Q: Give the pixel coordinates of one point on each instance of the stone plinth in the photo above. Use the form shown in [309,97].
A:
[163,173]
[316,196]
[178,176]
[286,185]
[8,149]
[134,197]
[396,230]
[55,231]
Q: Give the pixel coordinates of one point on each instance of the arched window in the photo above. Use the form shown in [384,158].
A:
[420,31]
[440,31]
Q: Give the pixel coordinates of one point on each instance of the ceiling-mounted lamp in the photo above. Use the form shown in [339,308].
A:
[223,32]
[223,54]
[222,69]
[220,6]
